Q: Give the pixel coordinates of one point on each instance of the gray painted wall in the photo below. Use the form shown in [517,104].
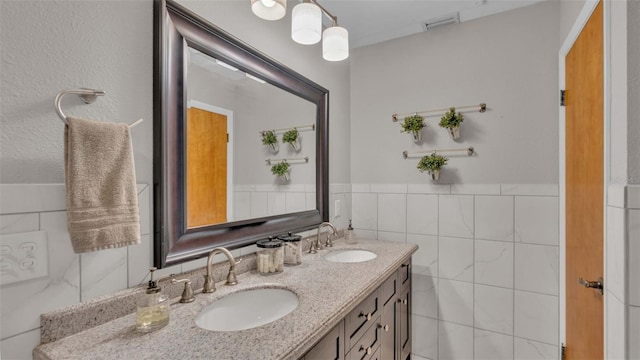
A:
[42,55]
[509,61]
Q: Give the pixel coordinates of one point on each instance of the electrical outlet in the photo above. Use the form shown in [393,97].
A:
[23,256]
[337,209]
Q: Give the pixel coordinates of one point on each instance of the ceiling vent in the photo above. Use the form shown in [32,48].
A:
[440,21]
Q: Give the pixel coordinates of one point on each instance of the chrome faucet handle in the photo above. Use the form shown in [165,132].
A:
[312,246]
[231,276]
[329,241]
[187,293]
[209,285]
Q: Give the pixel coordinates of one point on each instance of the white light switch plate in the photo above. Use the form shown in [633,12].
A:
[23,256]
[337,209]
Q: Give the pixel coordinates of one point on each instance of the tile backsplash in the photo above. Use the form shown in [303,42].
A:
[486,275]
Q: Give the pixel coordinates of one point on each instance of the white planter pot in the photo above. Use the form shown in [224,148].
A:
[454,132]
[274,147]
[417,135]
[295,145]
[435,174]
[286,177]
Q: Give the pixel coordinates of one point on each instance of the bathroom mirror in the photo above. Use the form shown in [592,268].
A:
[249,93]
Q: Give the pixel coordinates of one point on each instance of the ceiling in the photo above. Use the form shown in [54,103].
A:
[374,21]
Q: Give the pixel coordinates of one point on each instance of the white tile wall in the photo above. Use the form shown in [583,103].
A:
[616,329]
[492,346]
[536,268]
[536,317]
[493,309]
[536,220]
[422,214]
[455,341]
[425,260]
[486,271]
[493,263]
[455,258]
[392,212]
[455,299]
[494,217]
[455,216]
[424,337]
[634,332]
[616,249]
[633,236]
[525,349]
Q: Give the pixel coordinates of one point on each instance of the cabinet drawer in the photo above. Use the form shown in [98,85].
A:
[331,347]
[367,346]
[359,319]
[388,290]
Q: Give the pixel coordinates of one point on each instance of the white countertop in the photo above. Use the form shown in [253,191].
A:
[327,291]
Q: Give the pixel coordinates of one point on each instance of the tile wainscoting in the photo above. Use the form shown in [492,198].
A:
[73,278]
[486,275]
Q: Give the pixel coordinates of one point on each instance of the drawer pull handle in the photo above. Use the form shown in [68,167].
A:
[367,315]
[403,301]
[385,327]
[366,350]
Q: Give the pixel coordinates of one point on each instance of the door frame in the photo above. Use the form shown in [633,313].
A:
[229,114]
[571,38]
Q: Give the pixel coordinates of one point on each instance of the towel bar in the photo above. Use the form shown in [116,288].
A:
[88,96]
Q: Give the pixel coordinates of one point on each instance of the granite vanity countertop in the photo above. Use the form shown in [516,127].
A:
[327,291]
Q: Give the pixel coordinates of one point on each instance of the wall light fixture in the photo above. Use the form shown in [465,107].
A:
[306,26]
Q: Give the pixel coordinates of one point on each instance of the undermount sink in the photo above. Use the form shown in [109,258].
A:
[350,256]
[247,309]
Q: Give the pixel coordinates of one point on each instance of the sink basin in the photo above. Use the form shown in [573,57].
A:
[247,309]
[350,256]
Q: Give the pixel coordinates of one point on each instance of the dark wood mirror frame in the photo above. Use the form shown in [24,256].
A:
[175,29]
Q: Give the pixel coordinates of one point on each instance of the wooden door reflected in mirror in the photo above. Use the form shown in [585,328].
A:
[207,141]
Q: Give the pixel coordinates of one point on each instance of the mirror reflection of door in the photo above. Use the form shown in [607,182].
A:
[207,143]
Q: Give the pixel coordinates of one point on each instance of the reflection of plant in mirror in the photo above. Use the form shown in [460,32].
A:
[280,169]
[269,137]
[432,162]
[290,136]
[451,120]
[413,123]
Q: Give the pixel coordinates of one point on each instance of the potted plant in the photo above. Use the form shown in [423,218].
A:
[452,121]
[432,163]
[269,138]
[413,124]
[281,169]
[292,138]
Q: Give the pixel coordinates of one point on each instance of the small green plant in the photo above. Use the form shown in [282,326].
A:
[432,162]
[280,169]
[269,137]
[451,120]
[413,123]
[290,136]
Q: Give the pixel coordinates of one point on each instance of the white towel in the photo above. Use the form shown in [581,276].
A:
[102,199]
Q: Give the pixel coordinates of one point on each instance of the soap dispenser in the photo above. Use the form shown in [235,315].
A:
[153,308]
[348,236]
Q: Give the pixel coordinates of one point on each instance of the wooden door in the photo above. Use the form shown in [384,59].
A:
[206,168]
[585,190]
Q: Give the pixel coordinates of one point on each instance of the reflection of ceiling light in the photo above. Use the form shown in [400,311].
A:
[269,9]
[256,79]
[306,27]
[225,65]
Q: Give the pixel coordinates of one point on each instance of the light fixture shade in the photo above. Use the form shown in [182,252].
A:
[306,24]
[269,9]
[335,43]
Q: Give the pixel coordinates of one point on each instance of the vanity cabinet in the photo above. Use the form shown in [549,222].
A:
[378,328]
[331,347]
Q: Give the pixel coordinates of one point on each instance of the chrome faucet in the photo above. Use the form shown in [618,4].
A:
[209,284]
[315,244]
